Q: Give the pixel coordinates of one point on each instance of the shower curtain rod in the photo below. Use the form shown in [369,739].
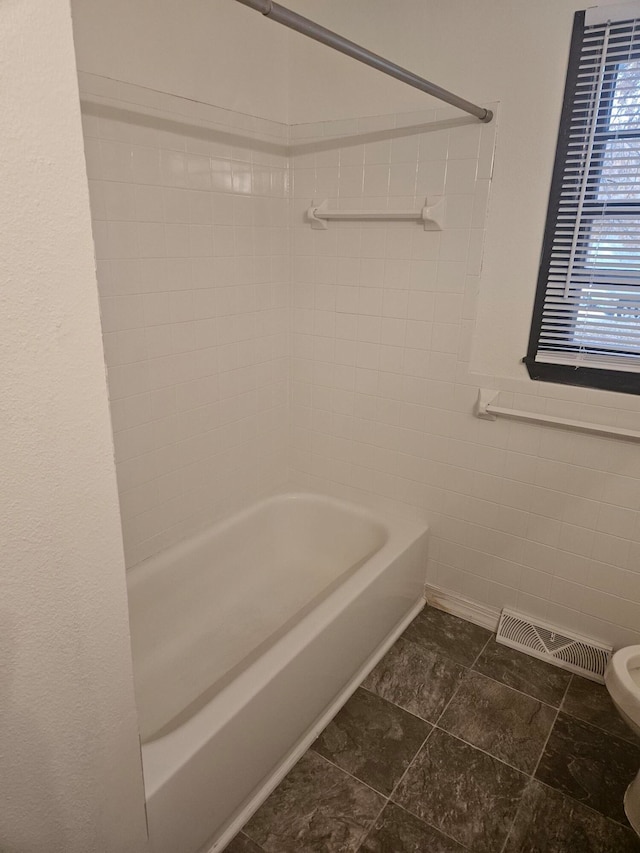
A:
[315,31]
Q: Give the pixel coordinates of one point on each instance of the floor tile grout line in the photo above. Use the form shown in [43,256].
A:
[346,772]
[470,668]
[528,776]
[515,689]
[565,694]
[562,708]
[513,822]
[406,770]
[629,741]
[399,782]
[467,670]
[388,798]
[531,779]
[544,746]
[561,705]
[436,724]
[477,657]
[243,833]
[425,822]
[605,817]
[395,705]
[371,826]
[485,751]
[441,653]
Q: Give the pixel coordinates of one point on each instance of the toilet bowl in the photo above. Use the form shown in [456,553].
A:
[622,678]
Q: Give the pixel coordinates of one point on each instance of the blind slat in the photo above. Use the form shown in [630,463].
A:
[590,313]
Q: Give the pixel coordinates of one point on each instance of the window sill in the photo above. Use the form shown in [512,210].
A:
[620,381]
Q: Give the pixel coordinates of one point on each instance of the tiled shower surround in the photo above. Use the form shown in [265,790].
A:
[382,389]
[246,351]
[190,218]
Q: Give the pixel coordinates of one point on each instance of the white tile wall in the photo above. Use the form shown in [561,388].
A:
[192,209]
[382,390]
[190,218]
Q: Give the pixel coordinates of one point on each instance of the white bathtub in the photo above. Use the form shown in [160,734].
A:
[247,639]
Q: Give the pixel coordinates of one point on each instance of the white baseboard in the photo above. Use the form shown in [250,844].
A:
[458,605]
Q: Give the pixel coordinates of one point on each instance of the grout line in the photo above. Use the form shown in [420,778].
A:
[605,817]
[426,823]
[630,739]
[515,689]
[564,695]
[388,797]
[542,751]
[433,728]
[451,698]
[477,658]
[371,826]
[513,822]
[243,834]
[395,788]
[410,764]
[467,669]
[346,772]
[484,751]
[532,778]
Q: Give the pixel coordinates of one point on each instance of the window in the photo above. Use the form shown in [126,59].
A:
[586,320]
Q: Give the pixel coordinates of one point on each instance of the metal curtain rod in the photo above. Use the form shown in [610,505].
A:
[315,31]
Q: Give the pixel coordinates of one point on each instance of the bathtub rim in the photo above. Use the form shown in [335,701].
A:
[137,572]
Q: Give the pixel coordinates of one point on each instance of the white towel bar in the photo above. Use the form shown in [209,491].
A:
[486,410]
[318,214]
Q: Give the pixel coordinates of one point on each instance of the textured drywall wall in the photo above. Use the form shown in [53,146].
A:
[71,778]
[215,51]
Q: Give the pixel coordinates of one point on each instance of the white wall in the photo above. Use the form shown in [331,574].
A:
[215,51]
[511,51]
[71,778]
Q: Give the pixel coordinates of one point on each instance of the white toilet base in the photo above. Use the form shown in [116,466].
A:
[632,803]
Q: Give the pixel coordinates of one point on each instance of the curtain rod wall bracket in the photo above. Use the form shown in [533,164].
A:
[309,28]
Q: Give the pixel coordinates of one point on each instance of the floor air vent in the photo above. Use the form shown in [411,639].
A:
[543,641]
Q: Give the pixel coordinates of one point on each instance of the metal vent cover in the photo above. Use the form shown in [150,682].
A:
[540,640]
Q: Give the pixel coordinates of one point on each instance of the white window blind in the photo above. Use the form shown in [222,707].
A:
[588,308]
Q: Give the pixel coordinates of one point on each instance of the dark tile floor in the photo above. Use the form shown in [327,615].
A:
[455,743]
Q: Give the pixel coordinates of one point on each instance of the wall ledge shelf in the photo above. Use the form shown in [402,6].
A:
[318,214]
[486,410]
